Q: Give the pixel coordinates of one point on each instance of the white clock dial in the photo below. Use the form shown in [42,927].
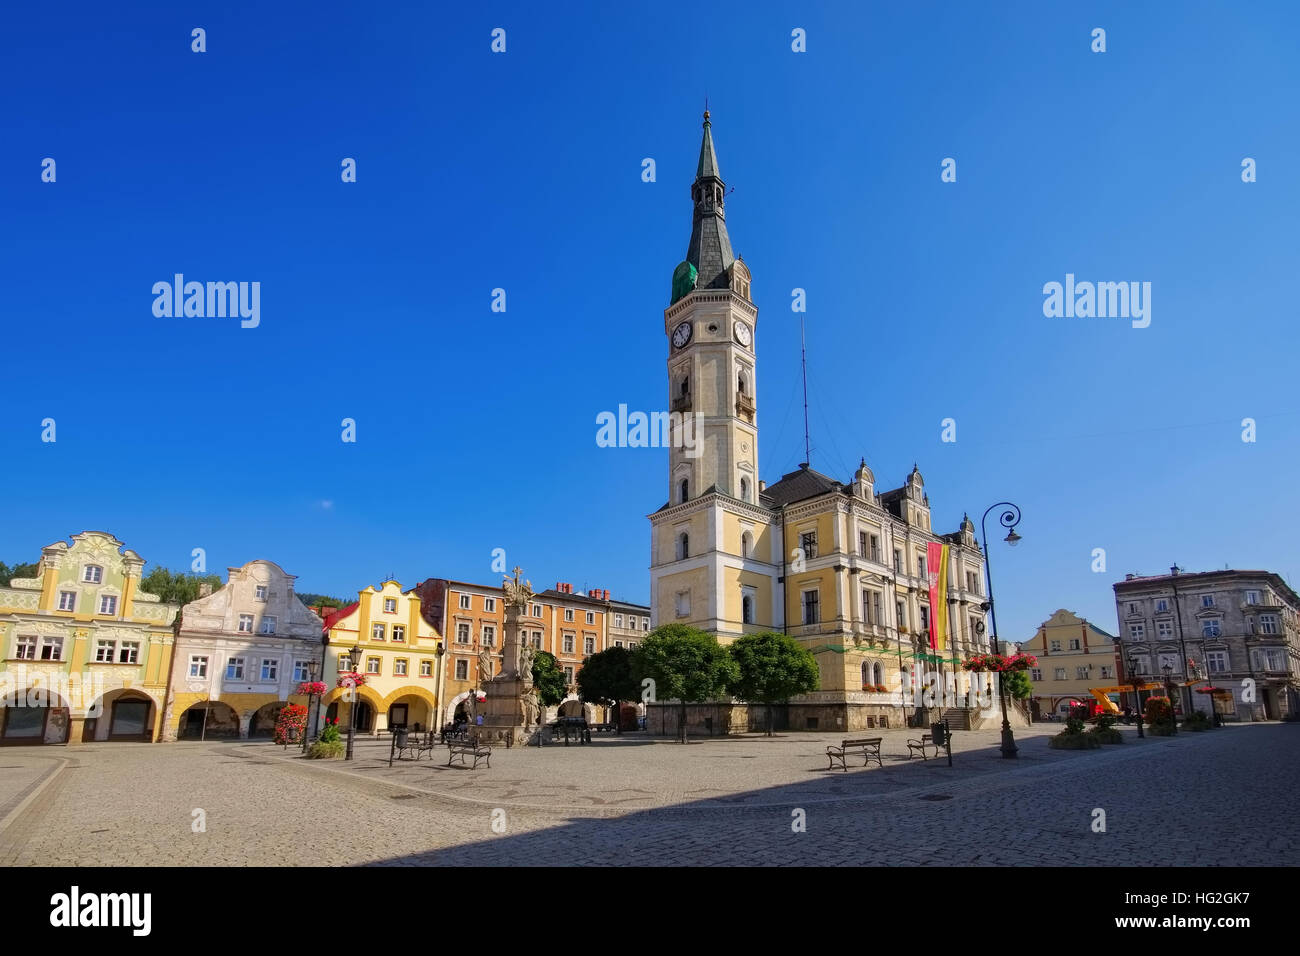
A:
[742,334]
[681,335]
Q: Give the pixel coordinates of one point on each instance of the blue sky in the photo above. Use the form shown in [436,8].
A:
[522,170]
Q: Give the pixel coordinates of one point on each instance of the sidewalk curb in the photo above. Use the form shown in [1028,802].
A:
[34,790]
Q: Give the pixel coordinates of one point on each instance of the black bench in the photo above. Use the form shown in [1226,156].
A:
[869,747]
[920,746]
[469,748]
[416,745]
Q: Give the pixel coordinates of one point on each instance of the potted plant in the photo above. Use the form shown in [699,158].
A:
[329,745]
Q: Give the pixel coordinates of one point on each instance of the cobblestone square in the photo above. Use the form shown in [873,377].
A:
[643,800]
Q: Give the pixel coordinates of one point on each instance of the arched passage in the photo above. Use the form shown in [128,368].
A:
[208,720]
[127,715]
[39,717]
[262,723]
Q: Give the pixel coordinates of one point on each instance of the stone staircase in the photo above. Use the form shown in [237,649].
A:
[972,718]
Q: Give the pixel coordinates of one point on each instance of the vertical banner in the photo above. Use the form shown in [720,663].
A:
[936,566]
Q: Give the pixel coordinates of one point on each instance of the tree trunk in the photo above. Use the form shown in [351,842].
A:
[683,722]
[769,720]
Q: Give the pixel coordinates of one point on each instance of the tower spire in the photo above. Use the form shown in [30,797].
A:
[710,247]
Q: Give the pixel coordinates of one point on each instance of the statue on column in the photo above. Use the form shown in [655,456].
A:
[518,594]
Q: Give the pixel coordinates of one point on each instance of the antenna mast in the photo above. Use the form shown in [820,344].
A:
[803,353]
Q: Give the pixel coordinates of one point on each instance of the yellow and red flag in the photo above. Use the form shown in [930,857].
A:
[936,566]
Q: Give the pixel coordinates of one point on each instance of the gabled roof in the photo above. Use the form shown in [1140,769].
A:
[339,615]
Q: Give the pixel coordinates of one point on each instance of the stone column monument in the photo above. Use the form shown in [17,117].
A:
[511,712]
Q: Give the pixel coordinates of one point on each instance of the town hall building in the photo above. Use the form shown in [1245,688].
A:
[838,565]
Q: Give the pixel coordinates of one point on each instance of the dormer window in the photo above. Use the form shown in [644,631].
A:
[93,574]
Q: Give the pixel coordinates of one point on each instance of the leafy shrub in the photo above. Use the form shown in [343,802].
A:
[1157,709]
[1161,728]
[330,732]
[1196,720]
[1072,726]
[1066,740]
[326,750]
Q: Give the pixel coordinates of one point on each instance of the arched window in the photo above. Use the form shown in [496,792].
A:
[744,489]
[683,490]
[683,546]
[740,383]
[866,674]
[746,545]
[747,609]
[879,674]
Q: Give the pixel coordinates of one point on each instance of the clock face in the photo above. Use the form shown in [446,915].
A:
[681,335]
[742,333]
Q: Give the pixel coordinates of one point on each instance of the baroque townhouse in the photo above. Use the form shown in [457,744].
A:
[86,653]
[240,654]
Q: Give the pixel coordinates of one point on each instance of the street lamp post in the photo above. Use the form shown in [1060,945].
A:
[1174,571]
[354,655]
[1169,691]
[1008,519]
[1137,697]
[306,727]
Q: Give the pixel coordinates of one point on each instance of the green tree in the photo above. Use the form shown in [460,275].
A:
[320,600]
[1017,685]
[7,573]
[685,664]
[176,587]
[548,679]
[771,667]
[606,678]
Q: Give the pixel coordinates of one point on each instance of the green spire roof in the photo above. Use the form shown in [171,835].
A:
[710,247]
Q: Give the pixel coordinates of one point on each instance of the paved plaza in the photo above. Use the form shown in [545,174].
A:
[644,800]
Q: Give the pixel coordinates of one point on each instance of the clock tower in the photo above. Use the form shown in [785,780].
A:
[713,531]
[710,331]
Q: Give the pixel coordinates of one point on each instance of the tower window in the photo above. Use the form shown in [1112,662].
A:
[744,489]
[740,384]
[747,609]
[683,546]
[683,489]
[686,386]
[746,545]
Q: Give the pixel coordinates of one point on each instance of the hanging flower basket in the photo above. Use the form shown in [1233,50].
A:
[1000,663]
[351,679]
[312,688]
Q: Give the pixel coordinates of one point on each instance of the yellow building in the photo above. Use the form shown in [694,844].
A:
[87,653]
[1074,656]
[239,656]
[569,624]
[836,564]
[397,651]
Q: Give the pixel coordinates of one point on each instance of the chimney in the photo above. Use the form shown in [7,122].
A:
[559,587]
[1174,569]
[762,486]
[606,594]
[1129,577]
